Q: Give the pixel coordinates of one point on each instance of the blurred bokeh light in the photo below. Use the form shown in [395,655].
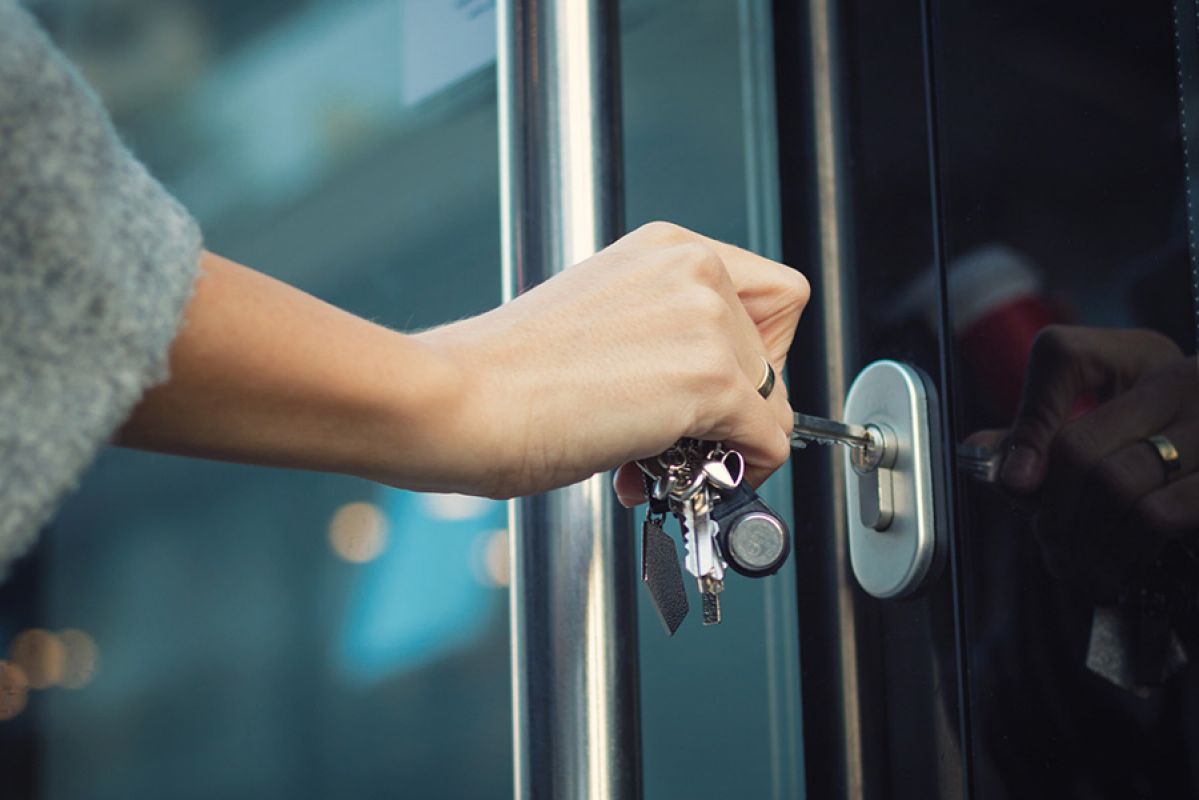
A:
[14,690]
[41,656]
[358,532]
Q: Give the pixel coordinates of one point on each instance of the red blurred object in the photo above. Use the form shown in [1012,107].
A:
[998,344]
[997,306]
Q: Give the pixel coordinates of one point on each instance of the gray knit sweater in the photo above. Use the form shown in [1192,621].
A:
[96,264]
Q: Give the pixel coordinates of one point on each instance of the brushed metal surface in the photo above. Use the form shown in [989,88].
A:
[576,720]
[897,561]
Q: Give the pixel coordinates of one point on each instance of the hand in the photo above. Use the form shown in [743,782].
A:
[1067,364]
[659,336]
[1106,506]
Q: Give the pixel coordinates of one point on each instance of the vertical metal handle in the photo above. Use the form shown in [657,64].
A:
[574,637]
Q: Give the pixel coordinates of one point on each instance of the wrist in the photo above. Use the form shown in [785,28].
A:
[453,422]
[417,425]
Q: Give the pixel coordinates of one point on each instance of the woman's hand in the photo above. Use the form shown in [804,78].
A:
[659,336]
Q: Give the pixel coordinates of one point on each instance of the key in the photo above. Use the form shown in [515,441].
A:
[809,428]
[703,556]
[980,463]
[701,485]
[691,502]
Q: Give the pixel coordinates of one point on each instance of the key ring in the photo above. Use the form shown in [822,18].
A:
[697,483]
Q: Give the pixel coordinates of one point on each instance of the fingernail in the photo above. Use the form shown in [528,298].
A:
[1020,467]
[630,502]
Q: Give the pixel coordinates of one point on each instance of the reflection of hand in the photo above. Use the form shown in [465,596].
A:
[657,337]
[1068,363]
[1106,503]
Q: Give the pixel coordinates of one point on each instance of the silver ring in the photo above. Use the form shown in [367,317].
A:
[766,385]
[1168,453]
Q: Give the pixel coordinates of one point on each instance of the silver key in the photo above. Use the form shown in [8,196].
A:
[703,555]
[808,428]
[699,537]
[980,463]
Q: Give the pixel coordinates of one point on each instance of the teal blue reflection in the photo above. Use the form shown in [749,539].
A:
[429,593]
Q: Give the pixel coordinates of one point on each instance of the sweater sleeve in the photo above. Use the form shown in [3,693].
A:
[96,264]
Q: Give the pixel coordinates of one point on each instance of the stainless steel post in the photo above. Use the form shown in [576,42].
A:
[574,635]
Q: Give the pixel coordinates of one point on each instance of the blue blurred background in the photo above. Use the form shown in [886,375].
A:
[241,632]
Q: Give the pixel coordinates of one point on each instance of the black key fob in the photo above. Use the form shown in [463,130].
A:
[753,540]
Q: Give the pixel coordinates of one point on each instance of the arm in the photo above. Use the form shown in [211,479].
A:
[657,337]
[263,373]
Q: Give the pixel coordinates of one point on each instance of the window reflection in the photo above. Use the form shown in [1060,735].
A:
[1060,139]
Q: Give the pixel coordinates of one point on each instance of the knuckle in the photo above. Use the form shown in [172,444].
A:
[702,263]
[662,231]
[784,416]
[798,290]
[1075,445]
[1116,478]
[708,307]
[777,451]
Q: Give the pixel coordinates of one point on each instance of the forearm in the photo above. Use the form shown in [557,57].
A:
[263,373]
[610,361]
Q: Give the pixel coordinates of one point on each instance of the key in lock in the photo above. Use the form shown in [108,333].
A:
[892,481]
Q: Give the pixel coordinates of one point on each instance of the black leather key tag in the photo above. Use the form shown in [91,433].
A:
[662,575]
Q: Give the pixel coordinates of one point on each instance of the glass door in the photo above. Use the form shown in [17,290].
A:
[190,629]
[1002,195]
[700,150]
[881,695]
[1068,322]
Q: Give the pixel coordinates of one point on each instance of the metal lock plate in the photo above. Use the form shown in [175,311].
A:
[907,553]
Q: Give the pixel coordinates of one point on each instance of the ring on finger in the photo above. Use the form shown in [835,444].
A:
[766,385]
[1167,453]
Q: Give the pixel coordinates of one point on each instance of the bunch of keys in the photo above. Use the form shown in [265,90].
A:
[723,521]
[726,525]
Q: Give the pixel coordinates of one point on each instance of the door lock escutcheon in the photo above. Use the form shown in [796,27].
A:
[895,542]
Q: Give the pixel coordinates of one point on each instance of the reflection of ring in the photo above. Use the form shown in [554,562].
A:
[766,385]
[1168,453]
